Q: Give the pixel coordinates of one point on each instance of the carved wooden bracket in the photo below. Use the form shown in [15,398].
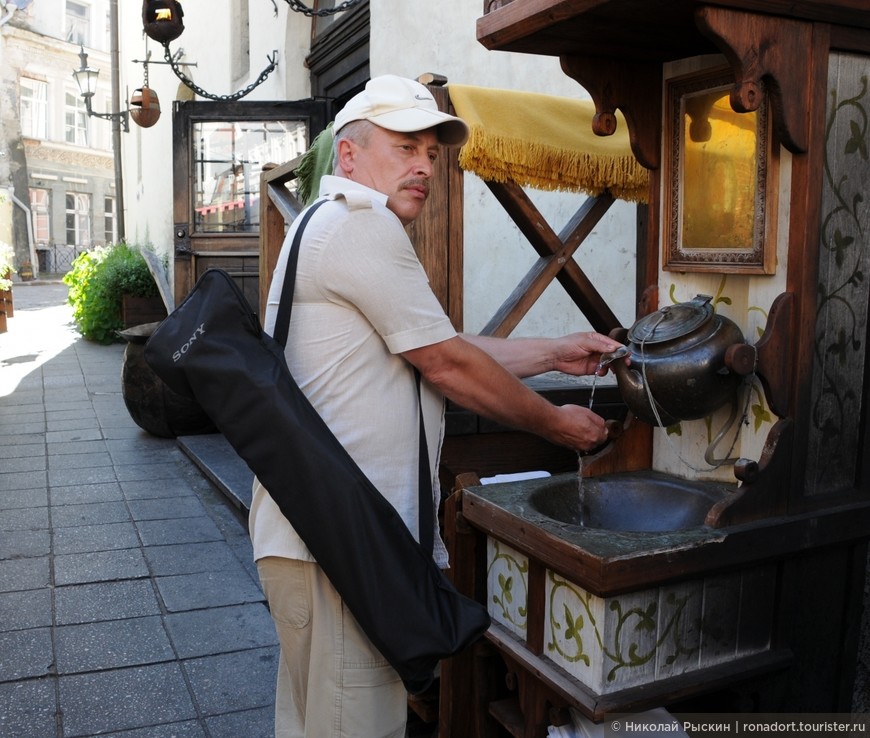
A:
[774,363]
[633,88]
[767,54]
[761,493]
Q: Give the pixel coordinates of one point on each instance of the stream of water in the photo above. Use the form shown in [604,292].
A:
[581,493]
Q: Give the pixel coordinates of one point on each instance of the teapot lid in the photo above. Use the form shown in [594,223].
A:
[672,321]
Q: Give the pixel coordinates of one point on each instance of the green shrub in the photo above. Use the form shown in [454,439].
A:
[97,282]
[7,257]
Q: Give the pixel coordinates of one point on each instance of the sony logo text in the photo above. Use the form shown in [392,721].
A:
[184,349]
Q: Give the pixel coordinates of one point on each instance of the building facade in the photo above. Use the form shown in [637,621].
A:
[58,171]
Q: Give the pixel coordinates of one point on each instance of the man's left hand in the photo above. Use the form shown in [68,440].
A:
[580,353]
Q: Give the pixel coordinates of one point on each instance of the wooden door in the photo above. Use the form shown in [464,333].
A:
[220,149]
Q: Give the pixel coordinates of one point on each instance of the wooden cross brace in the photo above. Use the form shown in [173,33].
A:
[555,260]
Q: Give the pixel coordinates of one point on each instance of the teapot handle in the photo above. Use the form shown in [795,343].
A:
[741,358]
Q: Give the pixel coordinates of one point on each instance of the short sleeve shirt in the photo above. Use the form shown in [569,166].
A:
[361,299]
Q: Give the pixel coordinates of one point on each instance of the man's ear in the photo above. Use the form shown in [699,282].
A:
[346,155]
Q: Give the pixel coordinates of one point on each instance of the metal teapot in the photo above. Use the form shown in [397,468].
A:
[685,362]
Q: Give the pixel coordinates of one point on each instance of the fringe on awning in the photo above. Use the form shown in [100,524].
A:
[545,142]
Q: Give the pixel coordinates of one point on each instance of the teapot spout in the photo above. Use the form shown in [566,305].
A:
[610,357]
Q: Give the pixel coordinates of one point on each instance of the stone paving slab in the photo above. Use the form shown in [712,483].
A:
[111,644]
[248,723]
[24,543]
[25,653]
[27,708]
[13,498]
[211,675]
[100,566]
[208,589]
[26,609]
[22,574]
[121,699]
[91,513]
[79,494]
[105,537]
[86,603]
[220,630]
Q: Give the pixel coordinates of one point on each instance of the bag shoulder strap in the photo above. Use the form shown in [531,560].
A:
[285,305]
[426,518]
[425,514]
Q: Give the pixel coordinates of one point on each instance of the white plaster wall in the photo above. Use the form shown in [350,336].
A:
[411,38]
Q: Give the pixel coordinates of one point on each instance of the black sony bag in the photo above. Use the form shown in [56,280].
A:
[213,349]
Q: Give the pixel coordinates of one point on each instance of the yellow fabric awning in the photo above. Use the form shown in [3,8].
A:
[545,142]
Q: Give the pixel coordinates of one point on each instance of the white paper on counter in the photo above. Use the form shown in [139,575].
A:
[517,477]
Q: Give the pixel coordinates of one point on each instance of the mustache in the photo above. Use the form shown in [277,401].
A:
[417,182]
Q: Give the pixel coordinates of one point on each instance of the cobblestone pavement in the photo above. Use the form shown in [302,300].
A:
[129,605]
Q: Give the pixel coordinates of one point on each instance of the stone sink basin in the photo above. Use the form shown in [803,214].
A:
[643,502]
[630,529]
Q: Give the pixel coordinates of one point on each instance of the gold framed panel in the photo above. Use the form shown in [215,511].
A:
[720,177]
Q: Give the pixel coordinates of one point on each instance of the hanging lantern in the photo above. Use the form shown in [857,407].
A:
[144,107]
[162,19]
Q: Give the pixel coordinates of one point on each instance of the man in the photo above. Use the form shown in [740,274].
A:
[363,319]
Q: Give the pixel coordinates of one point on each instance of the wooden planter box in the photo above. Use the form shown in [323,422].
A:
[139,310]
[6,308]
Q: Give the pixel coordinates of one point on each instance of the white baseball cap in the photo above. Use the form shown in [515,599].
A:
[403,105]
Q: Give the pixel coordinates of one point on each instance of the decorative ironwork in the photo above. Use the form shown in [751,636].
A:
[86,79]
[172,61]
[162,20]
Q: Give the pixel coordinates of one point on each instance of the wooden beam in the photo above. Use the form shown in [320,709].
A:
[278,209]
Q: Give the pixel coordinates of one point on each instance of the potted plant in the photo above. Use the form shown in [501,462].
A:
[101,280]
[7,256]
[25,271]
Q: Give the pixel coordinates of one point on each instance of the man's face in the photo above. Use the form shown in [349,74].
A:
[398,165]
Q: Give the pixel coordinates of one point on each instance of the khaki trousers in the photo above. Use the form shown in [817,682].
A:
[332,682]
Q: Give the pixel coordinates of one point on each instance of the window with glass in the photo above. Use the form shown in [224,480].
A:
[75,120]
[33,107]
[109,220]
[78,21]
[78,219]
[40,210]
[228,158]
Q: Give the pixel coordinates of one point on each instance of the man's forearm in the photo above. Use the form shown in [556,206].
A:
[475,380]
[522,357]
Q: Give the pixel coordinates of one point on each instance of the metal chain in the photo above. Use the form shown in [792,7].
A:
[172,61]
[300,7]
